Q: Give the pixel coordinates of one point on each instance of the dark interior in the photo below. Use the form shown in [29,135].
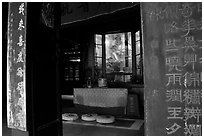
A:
[82,33]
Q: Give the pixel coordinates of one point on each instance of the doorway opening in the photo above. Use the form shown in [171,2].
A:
[107,46]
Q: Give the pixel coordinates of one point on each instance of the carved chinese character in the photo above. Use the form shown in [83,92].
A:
[174,113]
[186,10]
[174,95]
[171,45]
[174,78]
[173,128]
[21,101]
[20,41]
[173,62]
[159,14]
[20,86]
[190,58]
[189,43]
[192,113]
[171,27]
[191,78]
[192,96]
[20,57]
[20,26]
[172,11]
[20,72]
[188,26]
[21,9]
[192,130]
[150,13]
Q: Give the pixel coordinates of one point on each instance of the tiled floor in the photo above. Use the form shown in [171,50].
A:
[78,130]
[82,130]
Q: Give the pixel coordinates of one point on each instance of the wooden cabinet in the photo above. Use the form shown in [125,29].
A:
[71,66]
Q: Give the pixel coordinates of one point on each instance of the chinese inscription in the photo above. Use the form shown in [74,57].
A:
[182,43]
[16,93]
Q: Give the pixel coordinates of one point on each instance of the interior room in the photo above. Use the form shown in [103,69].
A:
[104,55]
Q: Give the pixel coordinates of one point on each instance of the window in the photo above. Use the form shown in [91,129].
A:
[98,55]
[118,57]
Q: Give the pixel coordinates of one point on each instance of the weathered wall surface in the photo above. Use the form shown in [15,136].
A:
[173,68]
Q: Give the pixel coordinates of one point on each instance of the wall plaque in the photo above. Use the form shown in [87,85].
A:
[16,66]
